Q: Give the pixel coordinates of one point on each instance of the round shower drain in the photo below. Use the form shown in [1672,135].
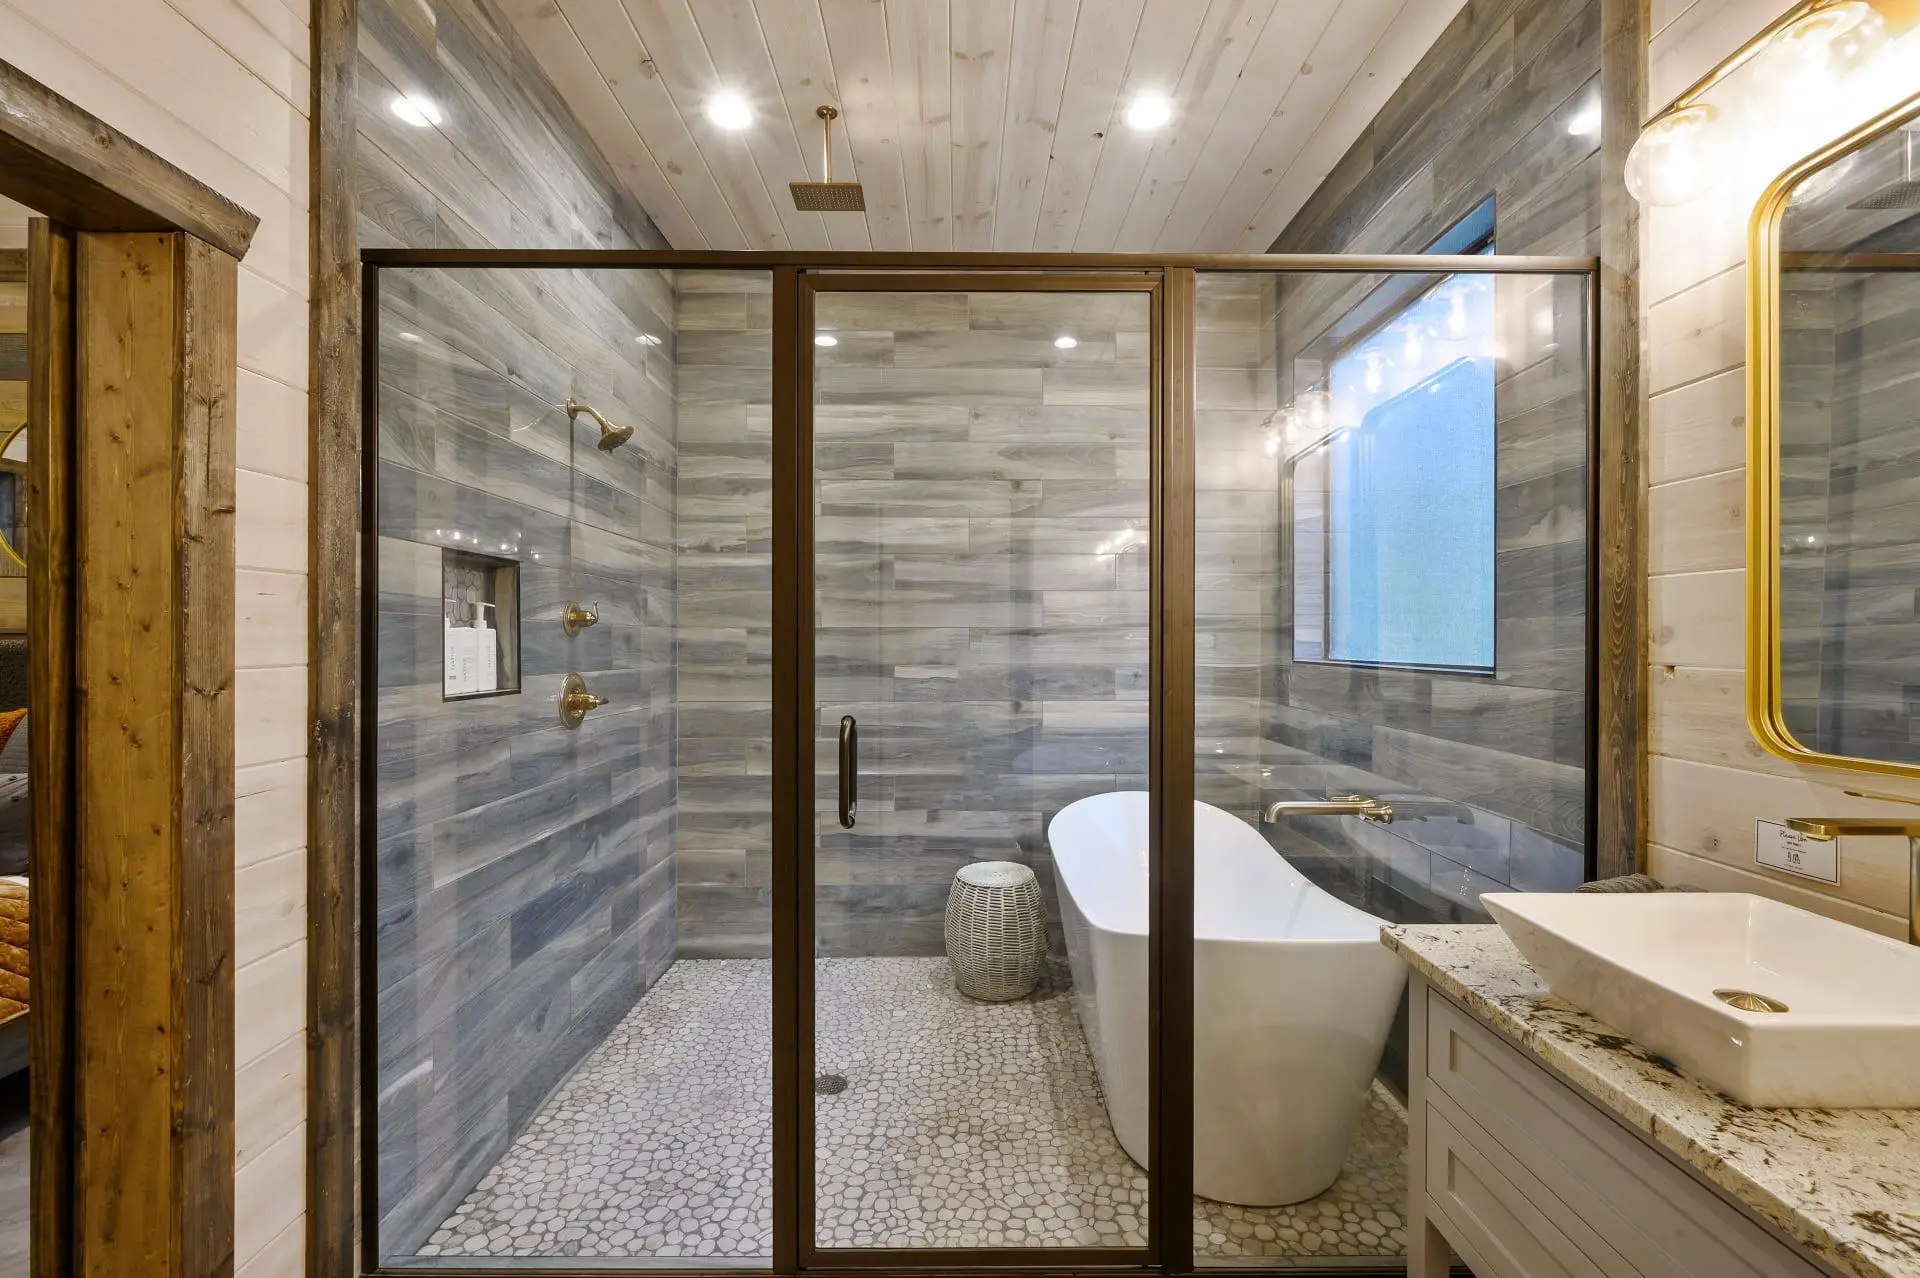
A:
[1748,1001]
[829,1084]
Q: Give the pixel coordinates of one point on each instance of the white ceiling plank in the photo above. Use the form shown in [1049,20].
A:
[679,56]
[559,50]
[863,75]
[1393,58]
[1260,93]
[607,33]
[784,138]
[1212,73]
[1043,36]
[923,88]
[981,32]
[1166,37]
[1336,58]
[1089,106]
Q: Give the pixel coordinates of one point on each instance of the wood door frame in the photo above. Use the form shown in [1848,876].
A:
[133,316]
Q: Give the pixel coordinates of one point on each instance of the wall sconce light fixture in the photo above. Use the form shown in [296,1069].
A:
[1816,43]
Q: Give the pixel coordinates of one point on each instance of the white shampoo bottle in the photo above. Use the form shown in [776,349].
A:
[486,652]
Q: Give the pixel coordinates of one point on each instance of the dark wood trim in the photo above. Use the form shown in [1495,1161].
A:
[201,604]
[76,168]
[1171,767]
[50,631]
[1620,706]
[153,670]
[333,651]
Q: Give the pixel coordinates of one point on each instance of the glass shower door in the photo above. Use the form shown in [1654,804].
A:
[980,516]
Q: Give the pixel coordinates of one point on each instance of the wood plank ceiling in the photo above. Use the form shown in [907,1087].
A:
[980,124]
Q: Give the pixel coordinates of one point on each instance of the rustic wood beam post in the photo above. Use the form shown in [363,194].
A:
[153,673]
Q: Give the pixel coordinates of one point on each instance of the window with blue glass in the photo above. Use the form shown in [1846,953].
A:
[1394,506]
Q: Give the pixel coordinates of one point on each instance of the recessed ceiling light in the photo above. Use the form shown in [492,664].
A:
[420,112]
[729,111]
[411,337]
[825,339]
[1066,342]
[1149,111]
[647,339]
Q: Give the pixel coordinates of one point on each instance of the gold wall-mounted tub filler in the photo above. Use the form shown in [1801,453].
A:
[575,701]
[577,617]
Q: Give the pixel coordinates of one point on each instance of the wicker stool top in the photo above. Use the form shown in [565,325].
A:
[994,874]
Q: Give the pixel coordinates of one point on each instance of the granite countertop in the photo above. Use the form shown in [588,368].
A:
[1845,1183]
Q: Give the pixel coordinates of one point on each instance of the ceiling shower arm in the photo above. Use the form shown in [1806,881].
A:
[827,116]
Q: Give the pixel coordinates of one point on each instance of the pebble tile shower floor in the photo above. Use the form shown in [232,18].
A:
[963,1124]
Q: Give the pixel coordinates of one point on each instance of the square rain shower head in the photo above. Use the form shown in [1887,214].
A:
[828,197]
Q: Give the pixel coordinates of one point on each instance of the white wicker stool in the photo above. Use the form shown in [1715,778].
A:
[996,930]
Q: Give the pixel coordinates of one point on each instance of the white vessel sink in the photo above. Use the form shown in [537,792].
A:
[1666,970]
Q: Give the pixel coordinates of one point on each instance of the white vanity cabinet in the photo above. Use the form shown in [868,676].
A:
[1526,1178]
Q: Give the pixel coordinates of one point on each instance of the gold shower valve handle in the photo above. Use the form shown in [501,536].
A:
[575,701]
[577,617]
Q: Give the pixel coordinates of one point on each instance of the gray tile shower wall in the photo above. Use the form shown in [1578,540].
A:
[723,534]
[981,512]
[524,872]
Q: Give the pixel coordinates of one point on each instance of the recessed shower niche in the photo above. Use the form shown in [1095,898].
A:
[480,597]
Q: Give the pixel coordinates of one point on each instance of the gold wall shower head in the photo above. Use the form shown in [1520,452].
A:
[828,196]
[611,436]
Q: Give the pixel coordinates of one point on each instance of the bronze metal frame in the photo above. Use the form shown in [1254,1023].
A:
[1170,281]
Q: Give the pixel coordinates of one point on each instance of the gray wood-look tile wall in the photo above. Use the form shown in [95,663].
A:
[981,512]
[1505,105]
[723,534]
[525,873]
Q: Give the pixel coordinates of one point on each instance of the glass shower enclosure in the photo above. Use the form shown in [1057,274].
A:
[757,640]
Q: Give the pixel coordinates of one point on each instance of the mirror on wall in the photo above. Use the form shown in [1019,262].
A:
[1835,591]
[13,496]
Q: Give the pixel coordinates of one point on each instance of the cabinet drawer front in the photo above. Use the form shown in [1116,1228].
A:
[1656,1216]
[1495,1210]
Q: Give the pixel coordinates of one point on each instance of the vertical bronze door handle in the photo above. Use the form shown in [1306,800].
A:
[849,771]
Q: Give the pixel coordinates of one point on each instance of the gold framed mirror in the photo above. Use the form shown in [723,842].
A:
[1833,573]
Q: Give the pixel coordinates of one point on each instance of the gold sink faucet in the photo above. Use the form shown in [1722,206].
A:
[1827,829]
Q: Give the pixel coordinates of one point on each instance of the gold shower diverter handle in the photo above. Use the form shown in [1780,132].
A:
[575,701]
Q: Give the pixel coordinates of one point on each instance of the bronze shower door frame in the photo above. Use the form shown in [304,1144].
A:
[1170,282]
[1170,773]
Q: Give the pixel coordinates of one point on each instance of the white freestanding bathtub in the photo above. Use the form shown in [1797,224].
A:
[1293,997]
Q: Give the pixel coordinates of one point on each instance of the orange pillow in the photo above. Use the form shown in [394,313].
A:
[9,720]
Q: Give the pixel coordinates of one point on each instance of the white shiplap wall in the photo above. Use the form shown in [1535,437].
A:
[1710,780]
[220,88]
